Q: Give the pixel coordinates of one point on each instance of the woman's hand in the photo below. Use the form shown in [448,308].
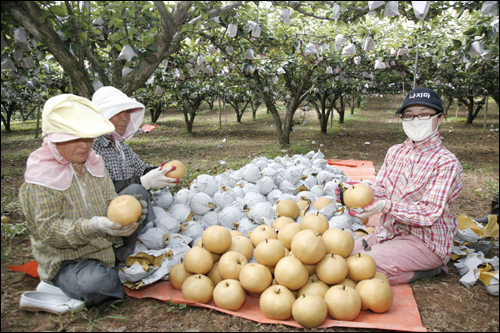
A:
[369,210]
[156,178]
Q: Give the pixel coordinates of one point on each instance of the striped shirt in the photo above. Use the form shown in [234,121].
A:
[419,181]
[59,222]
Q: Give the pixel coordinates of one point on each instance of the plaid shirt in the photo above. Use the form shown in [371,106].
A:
[118,167]
[59,222]
[418,182]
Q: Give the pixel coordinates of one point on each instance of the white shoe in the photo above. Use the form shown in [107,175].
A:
[48,287]
[49,302]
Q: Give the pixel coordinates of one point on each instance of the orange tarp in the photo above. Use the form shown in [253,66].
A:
[402,316]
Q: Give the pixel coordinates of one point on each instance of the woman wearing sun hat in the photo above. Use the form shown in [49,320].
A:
[125,166]
[129,173]
[414,190]
[64,198]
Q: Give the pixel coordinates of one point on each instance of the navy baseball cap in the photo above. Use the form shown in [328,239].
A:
[422,96]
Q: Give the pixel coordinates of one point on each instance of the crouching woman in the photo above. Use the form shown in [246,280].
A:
[65,197]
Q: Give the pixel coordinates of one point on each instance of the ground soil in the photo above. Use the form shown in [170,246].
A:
[444,304]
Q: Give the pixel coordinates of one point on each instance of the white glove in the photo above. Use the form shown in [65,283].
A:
[156,178]
[374,208]
[144,206]
[102,223]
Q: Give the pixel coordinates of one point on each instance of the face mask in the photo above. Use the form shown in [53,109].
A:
[419,130]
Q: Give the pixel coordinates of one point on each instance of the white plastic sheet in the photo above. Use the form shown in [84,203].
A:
[329,70]
[281,71]
[230,50]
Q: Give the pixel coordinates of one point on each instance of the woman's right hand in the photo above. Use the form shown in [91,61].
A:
[156,178]
[102,223]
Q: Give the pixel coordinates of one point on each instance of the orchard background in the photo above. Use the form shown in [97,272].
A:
[223,97]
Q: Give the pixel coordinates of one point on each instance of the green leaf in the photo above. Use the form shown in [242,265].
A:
[471,31]
[44,16]
[152,47]
[59,10]
[75,47]
[117,36]
[187,27]
[294,15]
[83,36]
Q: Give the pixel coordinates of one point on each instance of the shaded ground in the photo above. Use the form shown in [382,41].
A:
[444,304]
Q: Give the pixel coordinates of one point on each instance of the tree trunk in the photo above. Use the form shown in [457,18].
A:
[189,119]
[341,109]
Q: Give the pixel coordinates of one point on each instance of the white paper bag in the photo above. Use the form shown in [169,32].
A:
[310,49]
[232,30]
[490,8]
[285,15]
[368,44]
[372,5]
[379,64]
[336,12]
[339,39]
[421,8]
[391,9]
[127,53]
[349,50]
[250,54]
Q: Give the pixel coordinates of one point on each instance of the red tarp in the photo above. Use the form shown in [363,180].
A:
[148,128]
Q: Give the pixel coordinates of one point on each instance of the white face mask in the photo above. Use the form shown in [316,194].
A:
[419,130]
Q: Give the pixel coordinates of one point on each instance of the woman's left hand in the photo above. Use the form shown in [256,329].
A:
[369,210]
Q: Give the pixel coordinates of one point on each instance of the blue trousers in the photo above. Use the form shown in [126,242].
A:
[92,281]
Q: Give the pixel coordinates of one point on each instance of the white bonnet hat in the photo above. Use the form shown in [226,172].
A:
[70,117]
[112,101]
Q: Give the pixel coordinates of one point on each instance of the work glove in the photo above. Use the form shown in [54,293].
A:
[156,178]
[144,206]
[369,210]
[102,223]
